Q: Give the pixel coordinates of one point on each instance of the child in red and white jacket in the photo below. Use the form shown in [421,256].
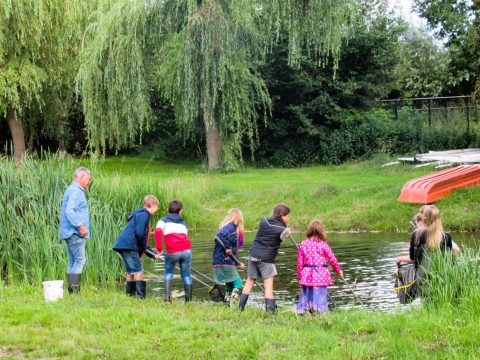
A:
[173,229]
[312,270]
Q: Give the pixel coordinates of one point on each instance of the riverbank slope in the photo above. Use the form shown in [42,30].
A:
[107,324]
[360,196]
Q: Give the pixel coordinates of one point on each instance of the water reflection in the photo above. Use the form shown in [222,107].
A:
[367,260]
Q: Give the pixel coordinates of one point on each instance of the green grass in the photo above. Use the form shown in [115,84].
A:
[107,324]
[354,196]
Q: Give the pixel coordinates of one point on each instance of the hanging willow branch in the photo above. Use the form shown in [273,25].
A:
[202,55]
[316,26]
[112,78]
[208,72]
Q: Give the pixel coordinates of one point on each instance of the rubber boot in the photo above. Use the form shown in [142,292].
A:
[243,301]
[141,287]
[74,283]
[188,292]
[130,288]
[270,305]
[234,297]
[167,298]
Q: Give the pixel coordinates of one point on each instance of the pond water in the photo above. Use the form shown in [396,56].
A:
[367,260]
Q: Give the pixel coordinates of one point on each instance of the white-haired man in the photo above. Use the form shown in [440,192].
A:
[75,226]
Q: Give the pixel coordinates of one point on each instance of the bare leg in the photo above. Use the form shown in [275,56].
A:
[129,277]
[138,276]
[268,284]
[248,286]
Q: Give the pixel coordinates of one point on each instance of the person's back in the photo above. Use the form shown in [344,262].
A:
[267,240]
[261,259]
[132,243]
[178,249]
[135,234]
[312,271]
[174,230]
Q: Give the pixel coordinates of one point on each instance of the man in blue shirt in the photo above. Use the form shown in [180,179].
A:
[75,226]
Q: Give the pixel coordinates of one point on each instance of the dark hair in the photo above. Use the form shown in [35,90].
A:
[280,210]
[316,230]
[175,206]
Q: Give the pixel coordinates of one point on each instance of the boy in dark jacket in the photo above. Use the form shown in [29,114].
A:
[133,242]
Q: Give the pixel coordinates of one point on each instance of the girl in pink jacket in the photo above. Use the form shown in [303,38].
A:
[312,270]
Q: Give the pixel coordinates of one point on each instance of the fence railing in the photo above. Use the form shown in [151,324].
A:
[443,105]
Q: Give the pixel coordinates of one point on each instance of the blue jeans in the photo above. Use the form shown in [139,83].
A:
[76,254]
[184,259]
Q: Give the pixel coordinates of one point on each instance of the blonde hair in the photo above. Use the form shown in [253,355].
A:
[432,226]
[316,230]
[150,201]
[234,215]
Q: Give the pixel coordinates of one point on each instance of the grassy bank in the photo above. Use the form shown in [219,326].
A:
[355,196]
[107,324]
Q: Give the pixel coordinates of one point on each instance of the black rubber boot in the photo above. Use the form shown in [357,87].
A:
[270,305]
[74,283]
[141,287]
[243,301]
[188,292]
[130,288]
[167,298]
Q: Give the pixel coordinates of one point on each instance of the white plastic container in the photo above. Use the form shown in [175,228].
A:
[53,290]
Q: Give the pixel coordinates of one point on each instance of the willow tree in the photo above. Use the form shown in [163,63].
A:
[202,55]
[27,30]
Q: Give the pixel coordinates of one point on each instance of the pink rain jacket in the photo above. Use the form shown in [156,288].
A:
[312,259]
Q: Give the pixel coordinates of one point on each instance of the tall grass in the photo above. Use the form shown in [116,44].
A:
[452,280]
[30,199]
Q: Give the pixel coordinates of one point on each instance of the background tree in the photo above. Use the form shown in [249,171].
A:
[424,66]
[39,40]
[314,113]
[205,55]
[453,22]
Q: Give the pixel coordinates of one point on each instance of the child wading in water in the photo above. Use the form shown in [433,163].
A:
[313,273]
[261,258]
[133,242]
[174,230]
[230,232]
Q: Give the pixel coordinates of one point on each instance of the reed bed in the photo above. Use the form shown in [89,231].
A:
[452,280]
[30,197]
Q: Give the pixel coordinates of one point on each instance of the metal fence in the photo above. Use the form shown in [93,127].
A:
[438,107]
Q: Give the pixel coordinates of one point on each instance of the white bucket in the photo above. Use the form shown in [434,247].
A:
[53,290]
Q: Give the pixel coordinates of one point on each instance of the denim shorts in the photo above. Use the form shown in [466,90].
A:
[131,260]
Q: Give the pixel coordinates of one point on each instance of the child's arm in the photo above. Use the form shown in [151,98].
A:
[158,235]
[330,256]
[151,253]
[300,259]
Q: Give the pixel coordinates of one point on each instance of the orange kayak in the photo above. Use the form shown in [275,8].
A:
[432,187]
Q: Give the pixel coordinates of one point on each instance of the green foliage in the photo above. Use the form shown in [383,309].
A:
[207,72]
[423,70]
[205,56]
[455,21]
[452,280]
[113,79]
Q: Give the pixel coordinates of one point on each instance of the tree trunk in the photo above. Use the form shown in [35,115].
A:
[31,134]
[18,137]
[61,138]
[214,145]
